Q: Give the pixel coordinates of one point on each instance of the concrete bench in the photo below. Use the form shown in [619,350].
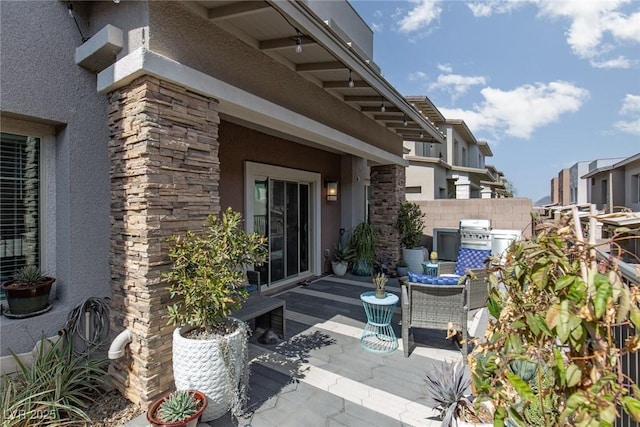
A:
[268,313]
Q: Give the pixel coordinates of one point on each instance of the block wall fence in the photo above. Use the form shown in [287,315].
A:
[507,213]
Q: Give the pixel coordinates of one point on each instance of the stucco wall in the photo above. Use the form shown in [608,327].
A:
[41,83]
[212,50]
[506,213]
[239,144]
[631,186]
[420,174]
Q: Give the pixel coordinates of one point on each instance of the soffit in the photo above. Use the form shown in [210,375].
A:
[326,59]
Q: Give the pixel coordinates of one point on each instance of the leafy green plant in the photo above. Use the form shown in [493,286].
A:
[54,390]
[343,252]
[364,241]
[552,311]
[410,224]
[178,406]
[208,271]
[448,385]
[28,275]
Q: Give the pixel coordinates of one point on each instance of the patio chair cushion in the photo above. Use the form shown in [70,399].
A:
[433,280]
[471,259]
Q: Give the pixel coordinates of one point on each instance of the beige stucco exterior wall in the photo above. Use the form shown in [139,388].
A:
[234,62]
[505,213]
[420,173]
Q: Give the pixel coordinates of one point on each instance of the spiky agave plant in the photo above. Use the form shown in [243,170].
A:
[178,406]
[448,386]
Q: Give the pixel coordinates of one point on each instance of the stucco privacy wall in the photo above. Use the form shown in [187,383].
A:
[506,213]
[41,84]
[180,34]
[164,181]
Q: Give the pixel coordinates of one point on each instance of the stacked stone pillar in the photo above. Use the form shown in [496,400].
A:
[164,173]
[387,194]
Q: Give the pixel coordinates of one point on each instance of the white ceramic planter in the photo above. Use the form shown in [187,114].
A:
[414,259]
[198,365]
[339,267]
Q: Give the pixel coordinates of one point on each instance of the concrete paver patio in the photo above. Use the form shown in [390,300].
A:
[321,376]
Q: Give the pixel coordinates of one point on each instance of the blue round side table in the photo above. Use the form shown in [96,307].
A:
[378,335]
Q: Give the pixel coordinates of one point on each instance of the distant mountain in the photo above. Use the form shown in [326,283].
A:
[544,201]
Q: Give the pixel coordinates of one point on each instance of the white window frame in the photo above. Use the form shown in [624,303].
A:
[253,171]
[46,134]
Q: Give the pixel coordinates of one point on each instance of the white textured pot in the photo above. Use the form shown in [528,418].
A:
[199,365]
[339,267]
[414,259]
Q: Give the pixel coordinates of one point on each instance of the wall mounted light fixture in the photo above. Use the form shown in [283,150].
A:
[332,191]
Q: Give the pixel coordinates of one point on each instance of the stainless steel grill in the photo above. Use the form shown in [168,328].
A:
[475,233]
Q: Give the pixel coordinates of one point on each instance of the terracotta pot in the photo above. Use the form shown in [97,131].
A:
[27,299]
[192,421]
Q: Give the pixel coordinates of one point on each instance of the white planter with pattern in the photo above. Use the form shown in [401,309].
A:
[199,365]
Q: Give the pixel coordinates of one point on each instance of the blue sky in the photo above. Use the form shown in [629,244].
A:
[547,83]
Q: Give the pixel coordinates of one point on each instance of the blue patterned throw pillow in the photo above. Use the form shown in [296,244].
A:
[470,259]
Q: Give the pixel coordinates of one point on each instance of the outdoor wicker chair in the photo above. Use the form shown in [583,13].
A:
[441,307]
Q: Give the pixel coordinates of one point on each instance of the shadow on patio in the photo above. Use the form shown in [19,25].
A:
[320,375]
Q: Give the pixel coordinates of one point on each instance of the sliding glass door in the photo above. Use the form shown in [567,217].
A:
[281,212]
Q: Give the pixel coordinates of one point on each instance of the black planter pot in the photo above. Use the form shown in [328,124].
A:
[24,300]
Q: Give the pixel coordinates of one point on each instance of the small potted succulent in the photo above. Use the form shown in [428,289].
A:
[181,408]
[28,291]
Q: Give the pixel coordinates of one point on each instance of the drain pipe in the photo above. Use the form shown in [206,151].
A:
[116,350]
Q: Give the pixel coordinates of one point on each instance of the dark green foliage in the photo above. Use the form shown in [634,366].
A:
[208,271]
[364,241]
[410,224]
[54,390]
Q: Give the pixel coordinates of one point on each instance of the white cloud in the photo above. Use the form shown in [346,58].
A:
[591,22]
[418,75]
[631,104]
[489,7]
[456,84]
[630,107]
[519,112]
[376,27]
[619,62]
[445,68]
[425,12]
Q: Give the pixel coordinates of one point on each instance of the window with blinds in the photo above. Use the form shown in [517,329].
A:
[19,203]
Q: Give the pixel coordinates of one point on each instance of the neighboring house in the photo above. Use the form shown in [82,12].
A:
[454,170]
[564,188]
[578,190]
[605,184]
[555,191]
[615,183]
[143,117]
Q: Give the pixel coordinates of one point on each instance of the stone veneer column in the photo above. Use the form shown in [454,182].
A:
[387,194]
[165,172]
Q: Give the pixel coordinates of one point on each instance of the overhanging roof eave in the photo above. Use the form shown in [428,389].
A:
[326,37]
